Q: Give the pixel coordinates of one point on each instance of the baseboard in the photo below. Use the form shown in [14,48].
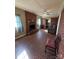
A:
[20,36]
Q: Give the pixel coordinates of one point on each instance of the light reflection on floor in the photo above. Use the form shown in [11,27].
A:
[23,55]
[46,31]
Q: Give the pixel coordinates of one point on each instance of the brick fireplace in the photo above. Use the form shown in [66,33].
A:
[32,26]
[30,22]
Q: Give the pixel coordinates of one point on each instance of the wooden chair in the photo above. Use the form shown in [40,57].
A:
[52,46]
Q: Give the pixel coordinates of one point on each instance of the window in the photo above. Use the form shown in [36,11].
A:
[18,24]
[38,23]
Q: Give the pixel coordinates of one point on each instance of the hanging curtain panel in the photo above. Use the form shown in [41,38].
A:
[18,24]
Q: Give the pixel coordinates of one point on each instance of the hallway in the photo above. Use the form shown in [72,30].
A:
[32,46]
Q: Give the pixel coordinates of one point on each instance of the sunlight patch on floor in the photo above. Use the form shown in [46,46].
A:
[23,55]
[46,31]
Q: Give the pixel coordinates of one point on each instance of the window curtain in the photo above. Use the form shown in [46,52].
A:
[18,25]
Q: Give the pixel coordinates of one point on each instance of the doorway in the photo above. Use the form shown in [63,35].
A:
[47,24]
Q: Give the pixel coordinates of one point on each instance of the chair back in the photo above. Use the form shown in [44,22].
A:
[57,42]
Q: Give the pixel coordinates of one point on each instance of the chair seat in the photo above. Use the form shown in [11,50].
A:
[50,43]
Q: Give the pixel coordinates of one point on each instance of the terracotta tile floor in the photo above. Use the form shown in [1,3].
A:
[32,46]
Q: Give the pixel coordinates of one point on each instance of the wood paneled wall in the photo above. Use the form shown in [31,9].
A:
[61,32]
[54,19]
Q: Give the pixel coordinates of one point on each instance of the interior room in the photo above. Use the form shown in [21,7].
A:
[39,29]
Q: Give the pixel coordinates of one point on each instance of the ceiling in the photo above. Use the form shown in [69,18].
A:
[41,7]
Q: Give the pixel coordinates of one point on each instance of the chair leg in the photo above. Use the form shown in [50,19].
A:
[45,49]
